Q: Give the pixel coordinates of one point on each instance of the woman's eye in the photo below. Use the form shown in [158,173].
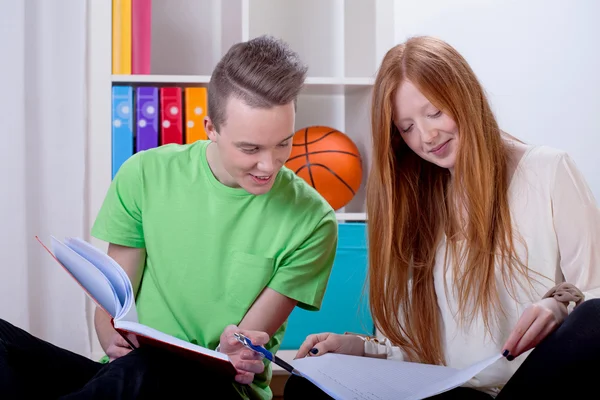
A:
[407,129]
[437,114]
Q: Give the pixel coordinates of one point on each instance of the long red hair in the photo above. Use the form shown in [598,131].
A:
[412,203]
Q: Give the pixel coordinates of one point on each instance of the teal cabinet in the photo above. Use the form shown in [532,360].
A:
[345,305]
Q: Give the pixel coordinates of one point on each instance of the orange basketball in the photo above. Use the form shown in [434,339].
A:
[329,161]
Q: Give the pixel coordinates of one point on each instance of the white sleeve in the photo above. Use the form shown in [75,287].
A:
[382,348]
[577,226]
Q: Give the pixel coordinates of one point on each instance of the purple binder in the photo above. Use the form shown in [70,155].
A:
[146,118]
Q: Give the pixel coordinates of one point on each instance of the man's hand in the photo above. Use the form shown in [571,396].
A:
[247,362]
[118,346]
[538,321]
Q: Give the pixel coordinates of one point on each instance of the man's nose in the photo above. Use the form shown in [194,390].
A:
[266,162]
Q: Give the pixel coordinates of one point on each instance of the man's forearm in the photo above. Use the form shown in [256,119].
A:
[104,328]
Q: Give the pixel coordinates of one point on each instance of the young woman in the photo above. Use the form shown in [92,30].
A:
[479,244]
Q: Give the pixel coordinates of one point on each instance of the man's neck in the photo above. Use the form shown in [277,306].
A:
[216,166]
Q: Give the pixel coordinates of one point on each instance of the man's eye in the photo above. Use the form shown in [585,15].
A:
[250,151]
[285,144]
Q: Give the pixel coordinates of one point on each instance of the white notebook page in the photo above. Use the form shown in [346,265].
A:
[363,378]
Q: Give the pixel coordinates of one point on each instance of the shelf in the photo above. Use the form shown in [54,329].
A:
[161,79]
[313,85]
[356,217]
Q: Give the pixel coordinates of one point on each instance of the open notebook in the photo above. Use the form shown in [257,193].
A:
[107,284]
[346,377]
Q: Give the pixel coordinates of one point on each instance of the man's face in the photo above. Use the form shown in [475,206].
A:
[253,144]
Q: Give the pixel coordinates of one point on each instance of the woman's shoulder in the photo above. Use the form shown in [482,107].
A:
[546,154]
[542,161]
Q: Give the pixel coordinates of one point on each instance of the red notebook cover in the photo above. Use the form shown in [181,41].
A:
[171,130]
[216,364]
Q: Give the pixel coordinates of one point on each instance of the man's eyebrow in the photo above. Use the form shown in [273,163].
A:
[248,144]
[289,137]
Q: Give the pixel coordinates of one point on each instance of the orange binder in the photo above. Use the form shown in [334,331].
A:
[196,104]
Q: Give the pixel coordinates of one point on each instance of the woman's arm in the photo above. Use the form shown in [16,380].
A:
[577,225]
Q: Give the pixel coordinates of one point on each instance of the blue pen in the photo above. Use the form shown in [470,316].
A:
[265,353]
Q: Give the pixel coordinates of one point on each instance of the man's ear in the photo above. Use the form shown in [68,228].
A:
[210,129]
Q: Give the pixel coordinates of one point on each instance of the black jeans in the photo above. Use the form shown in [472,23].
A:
[33,368]
[565,365]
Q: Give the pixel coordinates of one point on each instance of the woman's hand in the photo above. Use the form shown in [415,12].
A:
[321,343]
[538,321]
[247,362]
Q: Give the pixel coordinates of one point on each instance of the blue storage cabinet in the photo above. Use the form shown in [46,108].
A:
[345,304]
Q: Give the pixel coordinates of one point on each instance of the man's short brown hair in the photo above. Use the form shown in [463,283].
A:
[263,72]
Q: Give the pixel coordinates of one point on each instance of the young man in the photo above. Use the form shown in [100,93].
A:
[217,237]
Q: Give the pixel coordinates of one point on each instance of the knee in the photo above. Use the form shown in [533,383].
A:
[291,390]
[4,324]
[5,328]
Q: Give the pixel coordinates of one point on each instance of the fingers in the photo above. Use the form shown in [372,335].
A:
[326,346]
[522,326]
[252,366]
[133,340]
[544,324]
[250,356]
[121,342]
[309,343]
[114,352]
[245,378]
[227,335]
[530,338]
[249,364]
[256,337]
[537,322]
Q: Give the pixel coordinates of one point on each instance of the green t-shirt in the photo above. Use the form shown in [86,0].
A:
[211,249]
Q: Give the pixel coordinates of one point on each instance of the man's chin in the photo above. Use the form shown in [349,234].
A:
[255,189]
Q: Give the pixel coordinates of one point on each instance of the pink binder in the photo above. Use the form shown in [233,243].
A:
[141,36]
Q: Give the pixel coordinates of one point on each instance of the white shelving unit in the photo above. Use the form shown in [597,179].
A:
[342,41]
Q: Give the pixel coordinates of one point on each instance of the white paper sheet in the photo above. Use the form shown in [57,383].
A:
[363,378]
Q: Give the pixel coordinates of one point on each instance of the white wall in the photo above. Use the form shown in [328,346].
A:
[42,138]
[539,61]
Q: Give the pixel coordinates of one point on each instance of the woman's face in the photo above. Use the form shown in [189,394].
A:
[426,130]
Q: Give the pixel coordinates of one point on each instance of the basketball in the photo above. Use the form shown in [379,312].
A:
[329,161]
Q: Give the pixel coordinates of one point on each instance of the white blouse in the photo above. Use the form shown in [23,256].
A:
[555,213]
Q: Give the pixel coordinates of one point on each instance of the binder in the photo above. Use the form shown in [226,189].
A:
[121,37]
[122,126]
[141,36]
[171,118]
[146,118]
[195,111]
